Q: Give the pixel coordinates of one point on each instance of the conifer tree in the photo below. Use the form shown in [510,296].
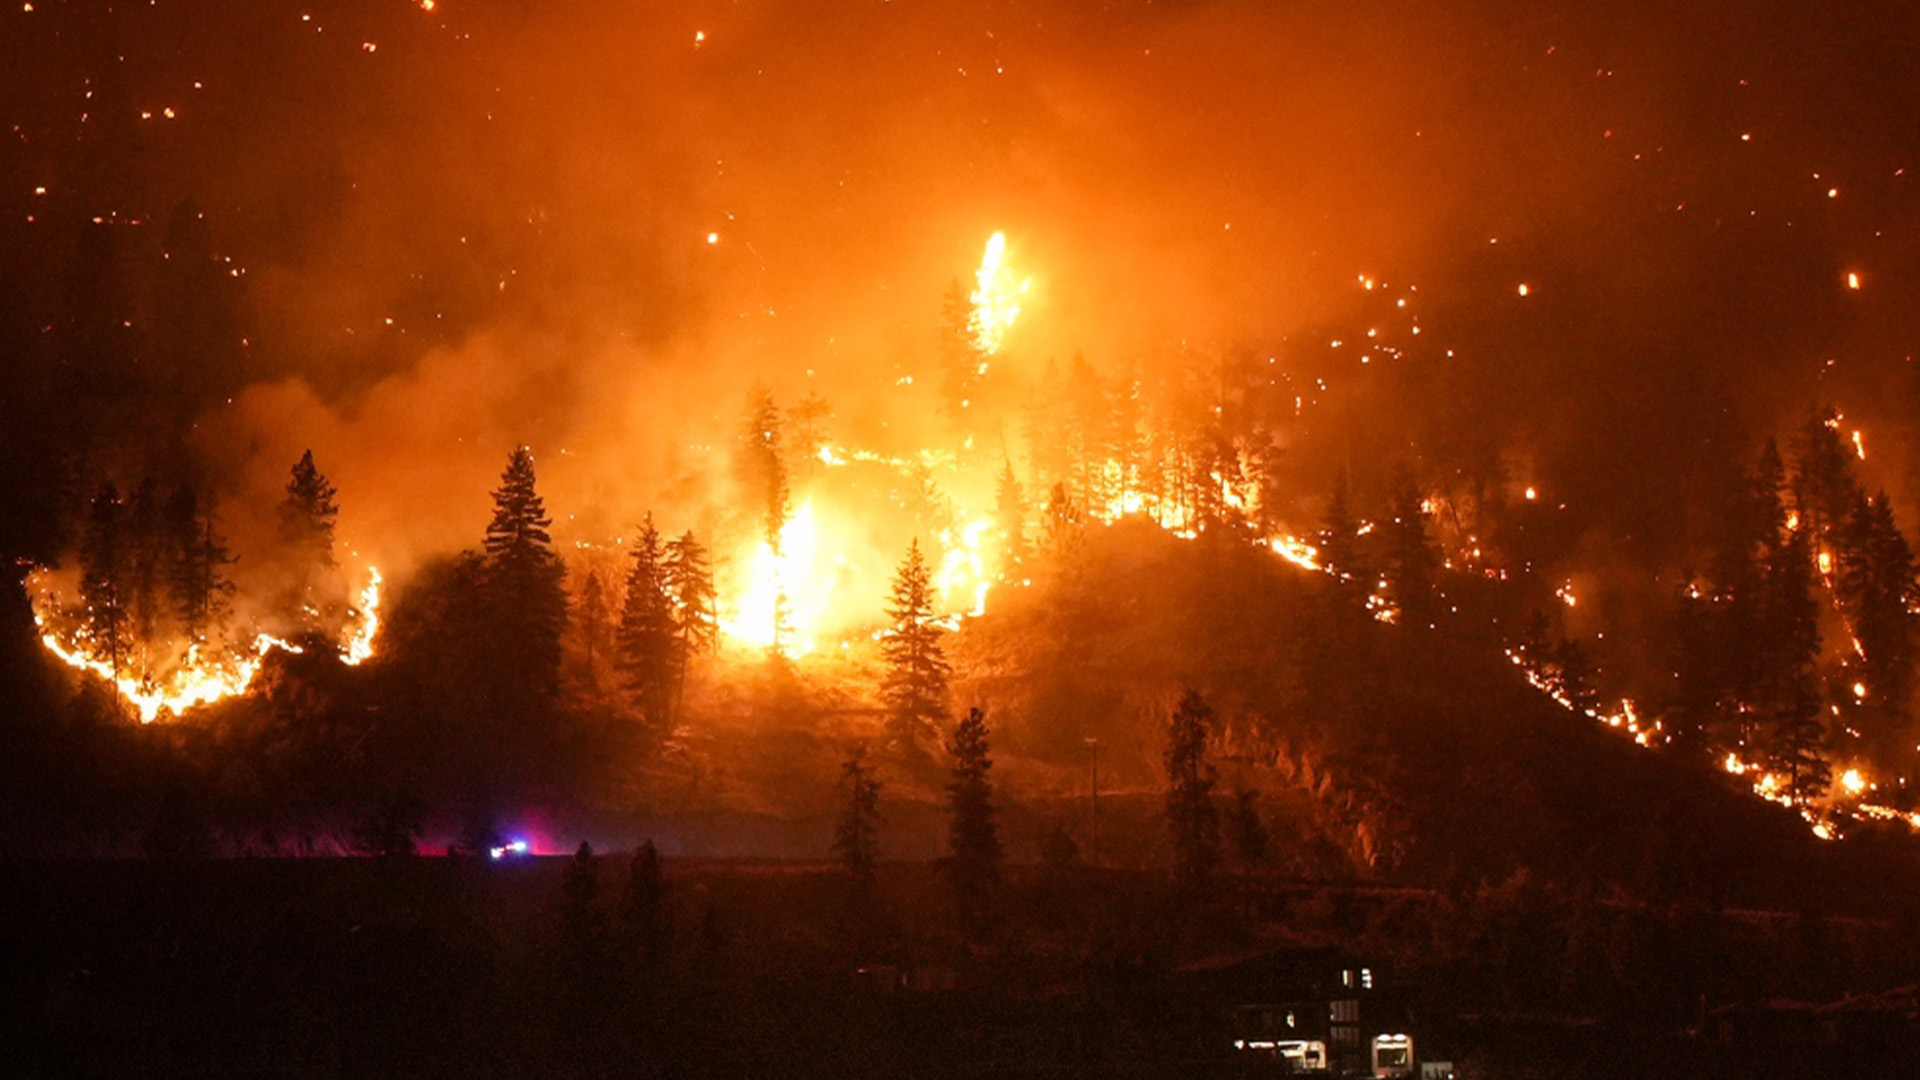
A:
[696,623]
[856,836]
[1794,737]
[593,613]
[147,544]
[198,581]
[1824,486]
[915,687]
[648,643]
[307,517]
[762,468]
[104,562]
[973,868]
[1876,586]
[582,925]
[1413,562]
[525,591]
[308,512]
[644,904]
[1340,534]
[1191,815]
[1245,829]
[1573,675]
[1010,522]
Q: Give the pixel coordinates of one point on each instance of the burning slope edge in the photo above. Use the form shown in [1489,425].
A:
[202,677]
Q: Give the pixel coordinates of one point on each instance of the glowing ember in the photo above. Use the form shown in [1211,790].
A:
[1853,781]
[996,297]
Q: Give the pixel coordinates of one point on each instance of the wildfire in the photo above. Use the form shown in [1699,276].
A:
[200,677]
[1296,551]
[360,643]
[996,297]
[785,593]
[962,568]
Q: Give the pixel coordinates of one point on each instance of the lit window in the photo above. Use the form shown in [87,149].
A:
[1366,978]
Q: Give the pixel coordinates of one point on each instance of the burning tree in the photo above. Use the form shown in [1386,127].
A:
[974,866]
[1413,563]
[103,577]
[197,580]
[1876,588]
[1191,815]
[1340,534]
[915,688]
[763,471]
[1824,487]
[1795,736]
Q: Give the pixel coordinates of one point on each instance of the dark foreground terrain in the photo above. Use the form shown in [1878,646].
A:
[551,967]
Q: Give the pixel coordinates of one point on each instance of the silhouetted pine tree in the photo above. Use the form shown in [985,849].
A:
[104,569]
[1413,561]
[1824,487]
[915,687]
[643,906]
[1191,815]
[198,581]
[1875,584]
[763,470]
[1573,675]
[1790,704]
[1692,706]
[1339,538]
[1010,522]
[526,595]
[856,836]
[592,613]
[148,550]
[648,644]
[973,868]
[306,532]
[696,625]
[1245,829]
[583,928]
